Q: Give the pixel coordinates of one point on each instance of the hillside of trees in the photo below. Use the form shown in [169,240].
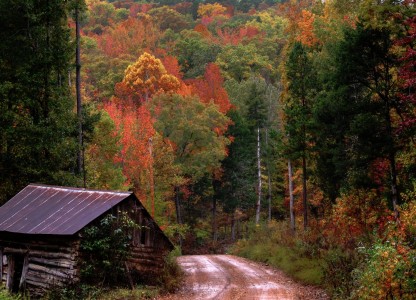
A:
[229,120]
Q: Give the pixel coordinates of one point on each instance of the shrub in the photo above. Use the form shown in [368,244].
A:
[105,249]
[172,275]
[388,272]
[339,264]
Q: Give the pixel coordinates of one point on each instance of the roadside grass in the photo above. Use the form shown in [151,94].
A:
[5,295]
[140,292]
[88,292]
[270,244]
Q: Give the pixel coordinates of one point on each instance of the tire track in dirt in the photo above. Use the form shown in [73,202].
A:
[227,277]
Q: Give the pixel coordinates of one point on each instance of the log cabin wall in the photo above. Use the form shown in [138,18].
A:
[150,245]
[38,265]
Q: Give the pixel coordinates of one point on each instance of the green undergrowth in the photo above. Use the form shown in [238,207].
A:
[89,292]
[128,294]
[5,295]
[271,244]
[172,275]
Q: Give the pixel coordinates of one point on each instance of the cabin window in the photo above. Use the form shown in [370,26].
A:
[143,234]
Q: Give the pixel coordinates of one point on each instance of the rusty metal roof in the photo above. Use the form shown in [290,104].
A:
[42,209]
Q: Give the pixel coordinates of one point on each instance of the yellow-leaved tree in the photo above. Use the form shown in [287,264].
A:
[147,77]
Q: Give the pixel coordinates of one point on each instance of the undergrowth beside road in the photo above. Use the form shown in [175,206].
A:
[5,295]
[272,244]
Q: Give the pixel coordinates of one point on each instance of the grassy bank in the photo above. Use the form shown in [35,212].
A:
[274,245]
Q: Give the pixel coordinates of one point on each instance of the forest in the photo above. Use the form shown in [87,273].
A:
[270,129]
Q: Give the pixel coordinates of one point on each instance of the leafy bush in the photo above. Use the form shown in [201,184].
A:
[105,249]
[172,275]
[339,264]
[387,273]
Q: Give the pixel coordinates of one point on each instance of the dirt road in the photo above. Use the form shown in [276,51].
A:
[227,277]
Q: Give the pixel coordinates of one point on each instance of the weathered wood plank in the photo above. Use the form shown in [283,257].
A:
[10,272]
[47,278]
[1,265]
[51,271]
[147,256]
[145,263]
[45,254]
[144,249]
[24,272]
[61,263]
[15,250]
[22,248]
[35,282]
[129,275]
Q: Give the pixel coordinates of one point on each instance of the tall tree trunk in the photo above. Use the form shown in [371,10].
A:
[304,193]
[392,160]
[258,204]
[269,181]
[291,198]
[214,219]
[233,224]
[80,158]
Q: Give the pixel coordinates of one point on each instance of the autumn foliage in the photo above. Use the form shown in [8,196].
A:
[306,34]
[147,76]
[129,37]
[210,88]
[199,77]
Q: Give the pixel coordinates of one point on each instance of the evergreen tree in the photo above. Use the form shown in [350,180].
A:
[37,123]
[301,88]
[355,115]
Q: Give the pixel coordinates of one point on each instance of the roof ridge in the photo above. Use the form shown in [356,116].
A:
[69,188]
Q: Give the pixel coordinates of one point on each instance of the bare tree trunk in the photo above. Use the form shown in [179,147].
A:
[291,198]
[258,204]
[269,183]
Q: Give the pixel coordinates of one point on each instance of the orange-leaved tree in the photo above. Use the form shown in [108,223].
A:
[129,38]
[135,126]
[210,89]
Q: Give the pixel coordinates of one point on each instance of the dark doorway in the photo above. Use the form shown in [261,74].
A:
[18,270]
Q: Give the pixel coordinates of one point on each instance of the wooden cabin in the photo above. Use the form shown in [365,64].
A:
[41,231]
